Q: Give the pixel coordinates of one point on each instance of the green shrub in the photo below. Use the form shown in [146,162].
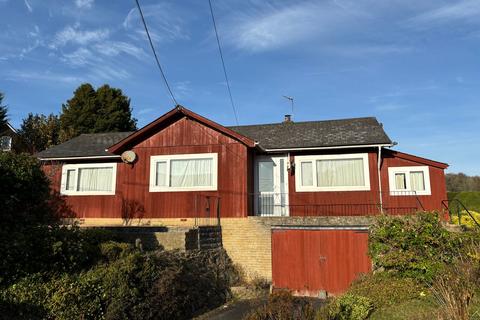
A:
[385,290]
[466,219]
[112,250]
[350,307]
[31,239]
[471,199]
[51,250]
[24,193]
[414,246]
[167,285]
[282,305]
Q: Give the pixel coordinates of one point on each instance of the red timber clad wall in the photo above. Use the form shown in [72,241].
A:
[347,203]
[309,261]
[184,136]
[437,183]
[341,203]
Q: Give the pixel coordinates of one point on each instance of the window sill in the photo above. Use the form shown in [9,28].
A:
[176,189]
[91,193]
[408,193]
[333,189]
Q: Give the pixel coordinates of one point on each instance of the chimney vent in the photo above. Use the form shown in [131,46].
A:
[288,118]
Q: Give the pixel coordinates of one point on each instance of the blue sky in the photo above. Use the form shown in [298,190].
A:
[412,64]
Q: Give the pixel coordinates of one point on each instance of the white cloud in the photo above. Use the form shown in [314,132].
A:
[80,57]
[84,4]
[108,72]
[367,49]
[35,33]
[463,10]
[268,26]
[145,111]
[41,76]
[29,7]
[163,23]
[114,48]
[182,89]
[402,92]
[391,107]
[94,66]
[73,34]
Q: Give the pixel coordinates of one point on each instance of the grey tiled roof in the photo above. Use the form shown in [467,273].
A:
[329,133]
[345,132]
[84,145]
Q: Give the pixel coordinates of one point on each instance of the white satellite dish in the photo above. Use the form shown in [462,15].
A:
[128,156]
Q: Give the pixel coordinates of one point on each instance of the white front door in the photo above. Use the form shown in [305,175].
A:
[271,186]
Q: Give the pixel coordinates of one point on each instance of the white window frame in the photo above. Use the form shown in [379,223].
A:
[66,167]
[168,159]
[9,139]
[408,191]
[314,158]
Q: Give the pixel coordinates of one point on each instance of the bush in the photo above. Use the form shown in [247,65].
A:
[112,250]
[24,193]
[282,305]
[350,307]
[466,220]
[167,285]
[50,250]
[455,289]
[414,246]
[24,299]
[31,239]
[386,290]
[471,199]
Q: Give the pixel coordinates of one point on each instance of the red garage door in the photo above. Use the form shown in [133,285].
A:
[308,261]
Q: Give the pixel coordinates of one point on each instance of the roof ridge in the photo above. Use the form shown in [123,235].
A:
[98,133]
[301,122]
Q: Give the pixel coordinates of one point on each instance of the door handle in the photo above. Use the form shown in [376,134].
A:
[322,258]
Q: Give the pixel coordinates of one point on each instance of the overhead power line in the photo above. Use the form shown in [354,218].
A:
[223,62]
[155,55]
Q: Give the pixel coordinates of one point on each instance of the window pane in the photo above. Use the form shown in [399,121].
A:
[340,173]
[417,181]
[191,173]
[265,176]
[70,185]
[95,179]
[307,174]
[5,143]
[400,181]
[161,174]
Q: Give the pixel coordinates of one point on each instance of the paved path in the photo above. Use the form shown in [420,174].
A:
[233,311]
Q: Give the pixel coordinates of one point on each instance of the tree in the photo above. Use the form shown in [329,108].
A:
[3,112]
[457,182]
[92,111]
[39,131]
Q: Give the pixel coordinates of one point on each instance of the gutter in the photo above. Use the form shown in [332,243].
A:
[330,148]
[257,145]
[379,163]
[81,158]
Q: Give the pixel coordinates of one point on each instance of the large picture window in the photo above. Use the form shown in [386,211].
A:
[183,172]
[89,179]
[345,172]
[405,181]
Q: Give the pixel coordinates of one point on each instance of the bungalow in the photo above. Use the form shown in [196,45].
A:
[277,189]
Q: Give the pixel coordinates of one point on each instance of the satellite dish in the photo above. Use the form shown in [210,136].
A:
[128,156]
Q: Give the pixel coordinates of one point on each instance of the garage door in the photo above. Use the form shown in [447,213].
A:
[309,261]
